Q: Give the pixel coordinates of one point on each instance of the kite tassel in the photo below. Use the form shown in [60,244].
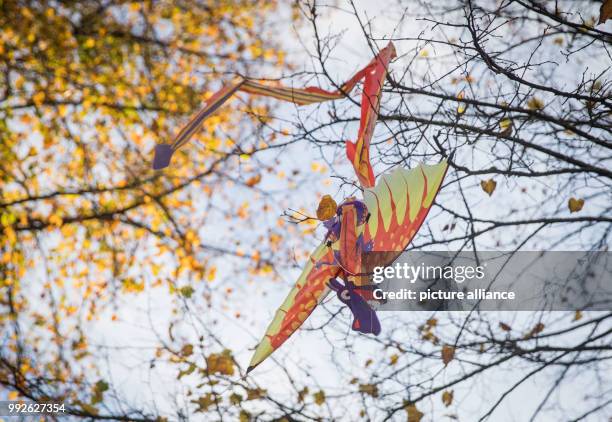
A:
[163,154]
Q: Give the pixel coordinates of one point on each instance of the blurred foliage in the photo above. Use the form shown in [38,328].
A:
[87,89]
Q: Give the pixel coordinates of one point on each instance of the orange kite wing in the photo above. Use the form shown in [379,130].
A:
[309,290]
[399,203]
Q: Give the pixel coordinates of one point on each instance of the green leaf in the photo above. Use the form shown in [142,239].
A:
[187,291]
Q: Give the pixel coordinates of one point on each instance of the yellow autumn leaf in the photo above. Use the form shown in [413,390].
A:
[327,208]
[62,110]
[488,186]
[187,350]
[98,391]
[575,205]
[252,181]
[461,107]
[302,394]
[414,415]
[369,389]
[506,127]
[236,399]
[448,354]
[38,98]
[212,273]
[316,167]
[447,397]
[205,402]
[220,363]
[88,408]
[319,397]
[578,315]
[255,393]
[537,329]
[190,236]
[535,103]
[186,291]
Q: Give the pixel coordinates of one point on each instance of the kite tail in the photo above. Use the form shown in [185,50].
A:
[163,155]
[361,164]
[359,152]
[163,152]
[350,150]
[305,96]
[298,96]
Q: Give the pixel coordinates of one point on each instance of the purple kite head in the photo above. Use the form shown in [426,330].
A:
[360,207]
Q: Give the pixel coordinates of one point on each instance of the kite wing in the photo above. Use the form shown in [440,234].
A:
[309,290]
[399,203]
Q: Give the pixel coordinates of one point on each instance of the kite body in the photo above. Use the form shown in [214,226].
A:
[386,221]
[345,235]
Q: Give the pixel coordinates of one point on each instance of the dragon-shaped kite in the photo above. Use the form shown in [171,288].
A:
[385,220]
